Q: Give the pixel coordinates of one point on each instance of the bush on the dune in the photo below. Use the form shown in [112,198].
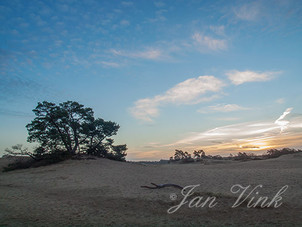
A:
[110,151]
[274,153]
[39,157]
[21,164]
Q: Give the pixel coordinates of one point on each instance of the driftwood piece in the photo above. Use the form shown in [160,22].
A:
[159,186]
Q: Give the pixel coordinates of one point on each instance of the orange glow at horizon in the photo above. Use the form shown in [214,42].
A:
[258,146]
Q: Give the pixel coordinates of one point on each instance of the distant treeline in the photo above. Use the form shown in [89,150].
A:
[200,155]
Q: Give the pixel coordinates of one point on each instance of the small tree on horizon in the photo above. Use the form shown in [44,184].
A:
[199,154]
[180,155]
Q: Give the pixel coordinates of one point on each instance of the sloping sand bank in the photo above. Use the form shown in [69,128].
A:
[107,193]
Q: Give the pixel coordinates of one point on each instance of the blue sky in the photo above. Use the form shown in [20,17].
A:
[223,76]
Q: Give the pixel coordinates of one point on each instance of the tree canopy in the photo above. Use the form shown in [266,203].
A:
[72,128]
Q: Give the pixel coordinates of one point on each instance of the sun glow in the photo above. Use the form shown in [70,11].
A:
[257,145]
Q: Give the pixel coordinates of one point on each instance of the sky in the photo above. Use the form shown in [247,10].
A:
[222,76]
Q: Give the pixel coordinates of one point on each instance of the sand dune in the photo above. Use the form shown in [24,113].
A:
[108,193]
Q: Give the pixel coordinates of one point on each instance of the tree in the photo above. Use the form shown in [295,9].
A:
[199,154]
[71,127]
[118,152]
[179,154]
[242,156]
[187,155]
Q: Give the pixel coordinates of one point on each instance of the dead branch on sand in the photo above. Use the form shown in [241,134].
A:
[159,186]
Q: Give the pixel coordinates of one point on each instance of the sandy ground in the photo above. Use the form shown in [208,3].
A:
[108,193]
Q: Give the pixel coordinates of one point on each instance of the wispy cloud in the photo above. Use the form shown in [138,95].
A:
[166,51]
[248,12]
[15,87]
[281,122]
[222,108]
[146,109]
[110,64]
[205,43]
[256,137]
[159,16]
[159,4]
[240,77]
[218,30]
[190,91]
[252,135]
[227,119]
[127,3]
[150,53]
[125,22]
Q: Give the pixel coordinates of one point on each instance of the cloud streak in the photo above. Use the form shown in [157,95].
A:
[109,64]
[208,43]
[218,30]
[150,54]
[190,91]
[166,50]
[248,12]
[281,122]
[240,77]
[256,137]
[222,108]
[251,136]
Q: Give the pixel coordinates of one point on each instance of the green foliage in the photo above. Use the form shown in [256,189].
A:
[60,126]
[108,150]
[71,127]
[65,130]
[118,152]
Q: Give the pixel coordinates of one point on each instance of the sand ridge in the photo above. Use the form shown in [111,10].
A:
[107,193]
